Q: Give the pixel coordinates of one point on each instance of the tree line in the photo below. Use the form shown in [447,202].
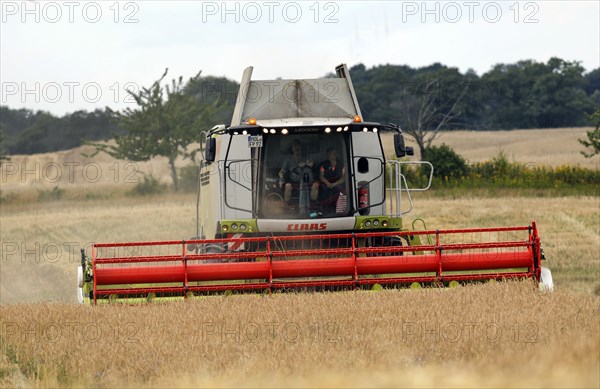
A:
[526,94]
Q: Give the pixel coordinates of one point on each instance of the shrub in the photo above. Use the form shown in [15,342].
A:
[150,185]
[451,171]
[8,198]
[54,194]
[500,163]
[447,164]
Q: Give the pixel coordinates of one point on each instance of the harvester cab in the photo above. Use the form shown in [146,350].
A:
[298,157]
[297,193]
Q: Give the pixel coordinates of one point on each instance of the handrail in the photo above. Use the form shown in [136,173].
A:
[395,187]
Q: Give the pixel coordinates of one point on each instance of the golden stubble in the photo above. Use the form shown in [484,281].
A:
[500,334]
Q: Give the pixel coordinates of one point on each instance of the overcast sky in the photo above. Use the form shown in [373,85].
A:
[68,55]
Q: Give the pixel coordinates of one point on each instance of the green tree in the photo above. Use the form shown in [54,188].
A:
[3,153]
[529,94]
[218,91]
[561,97]
[592,82]
[593,136]
[165,123]
[41,136]
[28,132]
[507,95]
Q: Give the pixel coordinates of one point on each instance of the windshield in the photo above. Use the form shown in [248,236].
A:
[304,176]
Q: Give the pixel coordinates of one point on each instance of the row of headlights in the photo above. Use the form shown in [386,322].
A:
[285,131]
[373,223]
[236,227]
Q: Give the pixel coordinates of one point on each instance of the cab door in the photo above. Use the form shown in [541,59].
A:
[368,170]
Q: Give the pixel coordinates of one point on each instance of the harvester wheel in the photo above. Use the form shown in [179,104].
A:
[194,248]
[214,249]
[376,287]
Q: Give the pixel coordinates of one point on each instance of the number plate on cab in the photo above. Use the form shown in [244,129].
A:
[255,141]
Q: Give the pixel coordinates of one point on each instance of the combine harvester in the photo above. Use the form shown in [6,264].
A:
[296,194]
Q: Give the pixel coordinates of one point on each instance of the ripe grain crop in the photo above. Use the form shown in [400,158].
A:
[552,147]
[505,334]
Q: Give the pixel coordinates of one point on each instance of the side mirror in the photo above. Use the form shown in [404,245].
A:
[210,151]
[362,165]
[400,148]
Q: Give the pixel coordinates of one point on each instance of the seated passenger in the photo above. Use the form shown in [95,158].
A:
[332,175]
[295,170]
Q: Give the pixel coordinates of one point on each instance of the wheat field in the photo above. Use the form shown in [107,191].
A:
[552,147]
[495,335]
[491,335]
[425,338]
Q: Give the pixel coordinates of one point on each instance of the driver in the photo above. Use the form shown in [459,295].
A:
[294,170]
[332,176]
